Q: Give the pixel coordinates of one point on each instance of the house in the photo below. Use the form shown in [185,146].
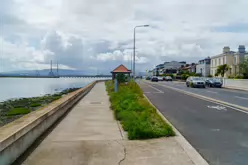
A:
[190,68]
[173,66]
[231,58]
[159,69]
[203,67]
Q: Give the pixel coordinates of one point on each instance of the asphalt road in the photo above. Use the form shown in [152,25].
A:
[218,133]
[228,95]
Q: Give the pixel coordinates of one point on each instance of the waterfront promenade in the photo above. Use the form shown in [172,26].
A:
[89,135]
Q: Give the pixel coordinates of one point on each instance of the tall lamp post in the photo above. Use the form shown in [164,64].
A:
[134,47]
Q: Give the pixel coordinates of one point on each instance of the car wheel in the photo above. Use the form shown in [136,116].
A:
[204,86]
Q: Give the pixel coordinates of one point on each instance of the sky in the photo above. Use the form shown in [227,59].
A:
[97,35]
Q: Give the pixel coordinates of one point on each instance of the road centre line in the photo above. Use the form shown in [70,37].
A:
[229,105]
[159,91]
[244,98]
[212,92]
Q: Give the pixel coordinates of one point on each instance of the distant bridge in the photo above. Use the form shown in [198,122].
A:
[84,76]
[60,76]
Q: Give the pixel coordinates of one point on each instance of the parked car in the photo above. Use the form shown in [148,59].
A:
[154,79]
[195,82]
[160,78]
[167,78]
[213,82]
[148,78]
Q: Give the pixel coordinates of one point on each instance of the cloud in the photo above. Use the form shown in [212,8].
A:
[90,34]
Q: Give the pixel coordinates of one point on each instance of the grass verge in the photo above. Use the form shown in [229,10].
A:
[135,113]
[18,111]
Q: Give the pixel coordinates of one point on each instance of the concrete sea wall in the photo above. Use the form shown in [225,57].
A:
[20,134]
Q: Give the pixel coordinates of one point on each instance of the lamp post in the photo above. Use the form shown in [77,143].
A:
[134,47]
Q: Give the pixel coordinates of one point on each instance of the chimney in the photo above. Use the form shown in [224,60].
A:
[57,68]
[241,49]
[226,49]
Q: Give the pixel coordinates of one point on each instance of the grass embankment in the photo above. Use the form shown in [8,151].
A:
[137,116]
[15,108]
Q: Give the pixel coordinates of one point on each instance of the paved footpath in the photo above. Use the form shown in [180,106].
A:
[89,135]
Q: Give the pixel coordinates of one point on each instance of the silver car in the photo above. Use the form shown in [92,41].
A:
[195,82]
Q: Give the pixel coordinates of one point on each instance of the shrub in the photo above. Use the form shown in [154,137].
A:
[191,84]
[18,111]
[137,116]
[121,78]
[210,75]
[185,76]
[239,77]
[35,105]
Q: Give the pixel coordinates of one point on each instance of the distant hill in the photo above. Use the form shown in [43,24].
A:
[46,72]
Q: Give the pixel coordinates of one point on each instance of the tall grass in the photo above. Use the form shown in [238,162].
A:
[135,113]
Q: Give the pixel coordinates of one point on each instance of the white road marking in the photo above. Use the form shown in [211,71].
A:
[206,99]
[215,130]
[220,108]
[241,97]
[159,91]
[212,92]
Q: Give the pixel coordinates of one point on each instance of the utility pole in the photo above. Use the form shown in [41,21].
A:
[134,47]
[57,68]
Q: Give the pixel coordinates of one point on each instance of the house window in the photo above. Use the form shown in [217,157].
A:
[224,61]
[215,62]
[219,62]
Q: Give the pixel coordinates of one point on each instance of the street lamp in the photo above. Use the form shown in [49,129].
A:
[134,47]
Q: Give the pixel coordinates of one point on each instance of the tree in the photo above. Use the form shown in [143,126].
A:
[244,68]
[157,73]
[222,69]
[121,78]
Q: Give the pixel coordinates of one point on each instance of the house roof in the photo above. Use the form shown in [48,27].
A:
[121,69]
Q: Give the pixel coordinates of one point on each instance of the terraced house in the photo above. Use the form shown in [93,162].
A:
[231,58]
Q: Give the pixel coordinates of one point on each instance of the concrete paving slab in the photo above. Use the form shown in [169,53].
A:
[162,151]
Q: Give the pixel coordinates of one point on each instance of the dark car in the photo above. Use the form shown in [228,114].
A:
[214,82]
[148,78]
[154,79]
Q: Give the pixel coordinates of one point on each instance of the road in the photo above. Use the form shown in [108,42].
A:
[219,133]
[236,97]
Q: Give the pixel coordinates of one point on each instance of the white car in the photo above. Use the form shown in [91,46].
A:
[160,78]
[195,82]
[168,78]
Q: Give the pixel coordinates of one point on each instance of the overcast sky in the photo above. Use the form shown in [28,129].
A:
[98,34]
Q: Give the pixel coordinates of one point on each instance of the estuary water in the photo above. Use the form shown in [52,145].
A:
[30,87]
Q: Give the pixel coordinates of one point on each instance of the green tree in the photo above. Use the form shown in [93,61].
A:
[121,78]
[244,68]
[157,73]
[222,69]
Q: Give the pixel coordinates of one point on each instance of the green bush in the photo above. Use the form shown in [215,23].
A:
[135,113]
[185,76]
[210,75]
[191,84]
[239,77]
[121,78]
[18,111]
[35,105]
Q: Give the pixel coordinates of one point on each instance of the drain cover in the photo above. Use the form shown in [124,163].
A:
[95,102]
